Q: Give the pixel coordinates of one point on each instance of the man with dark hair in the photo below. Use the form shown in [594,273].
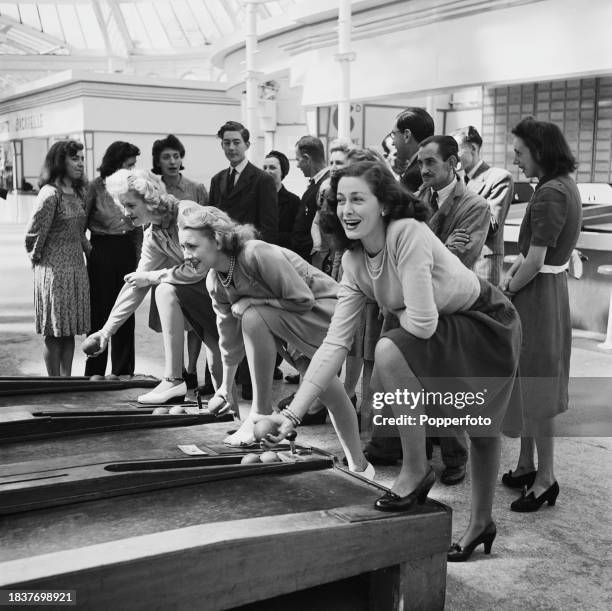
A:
[310,157]
[497,187]
[461,220]
[245,192]
[248,195]
[460,217]
[412,126]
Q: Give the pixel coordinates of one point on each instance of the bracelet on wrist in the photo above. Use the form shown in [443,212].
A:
[291,416]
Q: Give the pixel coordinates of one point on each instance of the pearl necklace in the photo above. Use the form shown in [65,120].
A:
[229,275]
[375,272]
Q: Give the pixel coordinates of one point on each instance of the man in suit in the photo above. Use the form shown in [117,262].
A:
[497,187]
[245,192]
[310,157]
[461,220]
[411,127]
[248,195]
[460,217]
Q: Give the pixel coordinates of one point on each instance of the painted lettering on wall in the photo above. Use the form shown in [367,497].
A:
[28,122]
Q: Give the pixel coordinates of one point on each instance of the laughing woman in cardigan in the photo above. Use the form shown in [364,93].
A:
[447,323]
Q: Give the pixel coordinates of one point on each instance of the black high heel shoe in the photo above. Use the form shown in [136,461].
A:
[531,502]
[456,553]
[393,502]
[518,481]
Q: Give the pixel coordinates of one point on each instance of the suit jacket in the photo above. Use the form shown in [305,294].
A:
[302,240]
[462,209]
[411,178]
[288,207]
[252,200]
[497,187]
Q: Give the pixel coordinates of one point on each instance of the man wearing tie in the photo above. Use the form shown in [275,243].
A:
[461,220]
[460,217]
[248,195]
[245,192]
[497,187]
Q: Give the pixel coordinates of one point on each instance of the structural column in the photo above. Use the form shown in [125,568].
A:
[344,57]
[252,77]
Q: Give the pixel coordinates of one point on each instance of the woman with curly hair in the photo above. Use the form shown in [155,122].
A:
[55,241]
[267,299]
[447,322]
[181,292]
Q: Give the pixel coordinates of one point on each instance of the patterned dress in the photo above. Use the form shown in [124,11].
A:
[55,241]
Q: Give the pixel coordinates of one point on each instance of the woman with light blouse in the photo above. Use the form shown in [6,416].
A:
[448,323]
[181,292]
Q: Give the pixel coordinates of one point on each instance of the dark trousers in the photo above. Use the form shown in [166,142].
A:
[111,258]
[453,448]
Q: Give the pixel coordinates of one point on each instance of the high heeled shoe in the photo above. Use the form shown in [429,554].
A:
[393,502]
[456,553]
[531,502]
[518,481]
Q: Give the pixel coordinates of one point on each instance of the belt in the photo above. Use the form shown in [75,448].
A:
[554,269]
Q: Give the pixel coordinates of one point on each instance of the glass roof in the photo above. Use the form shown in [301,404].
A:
[112,28]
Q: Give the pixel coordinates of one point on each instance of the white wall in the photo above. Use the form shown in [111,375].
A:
[534,41]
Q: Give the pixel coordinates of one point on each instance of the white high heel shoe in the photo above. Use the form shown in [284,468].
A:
[172,394]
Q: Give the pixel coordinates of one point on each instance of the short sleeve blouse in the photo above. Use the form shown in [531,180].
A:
[553,219]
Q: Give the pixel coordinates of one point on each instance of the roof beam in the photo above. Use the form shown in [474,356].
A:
[40,37]
[121,26]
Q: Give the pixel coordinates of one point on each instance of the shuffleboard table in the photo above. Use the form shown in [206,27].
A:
[276,535]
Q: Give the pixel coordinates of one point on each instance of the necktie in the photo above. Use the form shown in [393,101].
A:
[433,202]
[230,180]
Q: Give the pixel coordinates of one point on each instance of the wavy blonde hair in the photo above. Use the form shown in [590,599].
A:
[146,184]
[216,225]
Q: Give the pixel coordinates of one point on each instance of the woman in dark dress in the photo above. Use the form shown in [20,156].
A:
[537,282]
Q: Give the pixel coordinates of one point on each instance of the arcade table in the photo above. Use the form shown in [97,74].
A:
[125,520]
[28,385]
[88,408]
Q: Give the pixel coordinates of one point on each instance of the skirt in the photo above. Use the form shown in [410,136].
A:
[368,333]
[299,335]
[197,309]
[543,306]
[475,351]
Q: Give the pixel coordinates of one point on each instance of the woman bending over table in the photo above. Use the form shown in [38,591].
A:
[448,323]
[181,291]
[267,299]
